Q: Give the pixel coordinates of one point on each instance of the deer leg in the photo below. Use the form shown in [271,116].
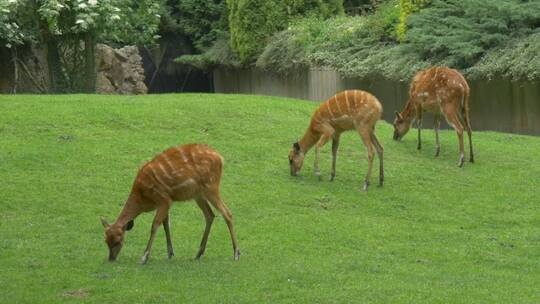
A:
[469,134]
[380,152]
[335,145]
[215,200]
[419,126]
[437,126]
[453,120]
[209,217]
[161,214]
[322,141]
[366,138]
[170,252]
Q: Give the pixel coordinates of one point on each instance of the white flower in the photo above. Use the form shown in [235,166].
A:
[5,10]
[8,45]
[59,5]
[83,5]
[115,17]
[92,2]
[12,1]
[116,9]
[79,21]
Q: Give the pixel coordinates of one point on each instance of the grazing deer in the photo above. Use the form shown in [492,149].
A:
[438,90]
[344,111]
[178,174]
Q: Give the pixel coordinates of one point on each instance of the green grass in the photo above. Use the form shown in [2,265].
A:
[434,233]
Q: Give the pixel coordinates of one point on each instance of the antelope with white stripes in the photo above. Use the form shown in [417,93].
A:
[178,174]
[347,110]
[440,90]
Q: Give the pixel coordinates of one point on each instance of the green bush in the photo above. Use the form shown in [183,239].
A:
[458,33]
[333,43]
[481,38]
[407,7]
[252,22]
[219,54]
[518,59]
[203,21]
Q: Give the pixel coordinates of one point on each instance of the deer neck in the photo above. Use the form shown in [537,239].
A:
[408,112]
[130,211]
[308,141]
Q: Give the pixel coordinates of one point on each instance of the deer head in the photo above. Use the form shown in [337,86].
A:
[296,159]
[114,237]
[401,126]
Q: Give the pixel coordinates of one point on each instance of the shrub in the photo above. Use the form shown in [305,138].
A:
[251,22]
[518,59]
[458,33]
[407,7]
[203,21]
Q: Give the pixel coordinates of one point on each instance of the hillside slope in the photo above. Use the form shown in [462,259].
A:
[433,233]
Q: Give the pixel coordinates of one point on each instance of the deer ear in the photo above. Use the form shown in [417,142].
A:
[104,223]
[398,115]
[129,225]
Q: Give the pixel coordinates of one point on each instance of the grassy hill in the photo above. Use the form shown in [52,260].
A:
[433,233]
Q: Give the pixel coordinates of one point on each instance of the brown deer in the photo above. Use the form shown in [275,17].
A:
[347,110]
[178,174]
[440,90]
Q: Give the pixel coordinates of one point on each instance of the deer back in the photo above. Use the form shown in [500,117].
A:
[439,87]
[347,109]
[180,173]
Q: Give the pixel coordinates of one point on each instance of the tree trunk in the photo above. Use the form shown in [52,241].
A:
[57,81]
[90,63]
[14,59]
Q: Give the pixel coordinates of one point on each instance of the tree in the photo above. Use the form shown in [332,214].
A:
[69,31]
[203,21]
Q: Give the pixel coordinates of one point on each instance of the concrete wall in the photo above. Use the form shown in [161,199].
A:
[497,105]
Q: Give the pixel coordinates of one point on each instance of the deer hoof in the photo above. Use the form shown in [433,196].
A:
[237,255]
[170,254]
[144,258]
[332,176]
[460,163]
[318,174]
[437,151]
[199,254]
[366,185]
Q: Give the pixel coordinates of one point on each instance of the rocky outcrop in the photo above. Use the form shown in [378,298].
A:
[119,71]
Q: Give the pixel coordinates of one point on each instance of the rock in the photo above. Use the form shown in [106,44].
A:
[120,71]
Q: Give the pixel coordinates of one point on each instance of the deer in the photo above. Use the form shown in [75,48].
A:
[178,174]
[348,110]
[439,90]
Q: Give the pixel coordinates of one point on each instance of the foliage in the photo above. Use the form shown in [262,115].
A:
[518,59]
[251,22]
[219,54]
[457,33]
[69,30]
[129,22]
[343,43]
[407,7]
[203,21]
[10,30]
[434,233]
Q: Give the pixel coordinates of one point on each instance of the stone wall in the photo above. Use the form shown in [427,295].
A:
[119,71]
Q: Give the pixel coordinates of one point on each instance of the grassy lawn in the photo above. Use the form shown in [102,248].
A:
[434,233]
